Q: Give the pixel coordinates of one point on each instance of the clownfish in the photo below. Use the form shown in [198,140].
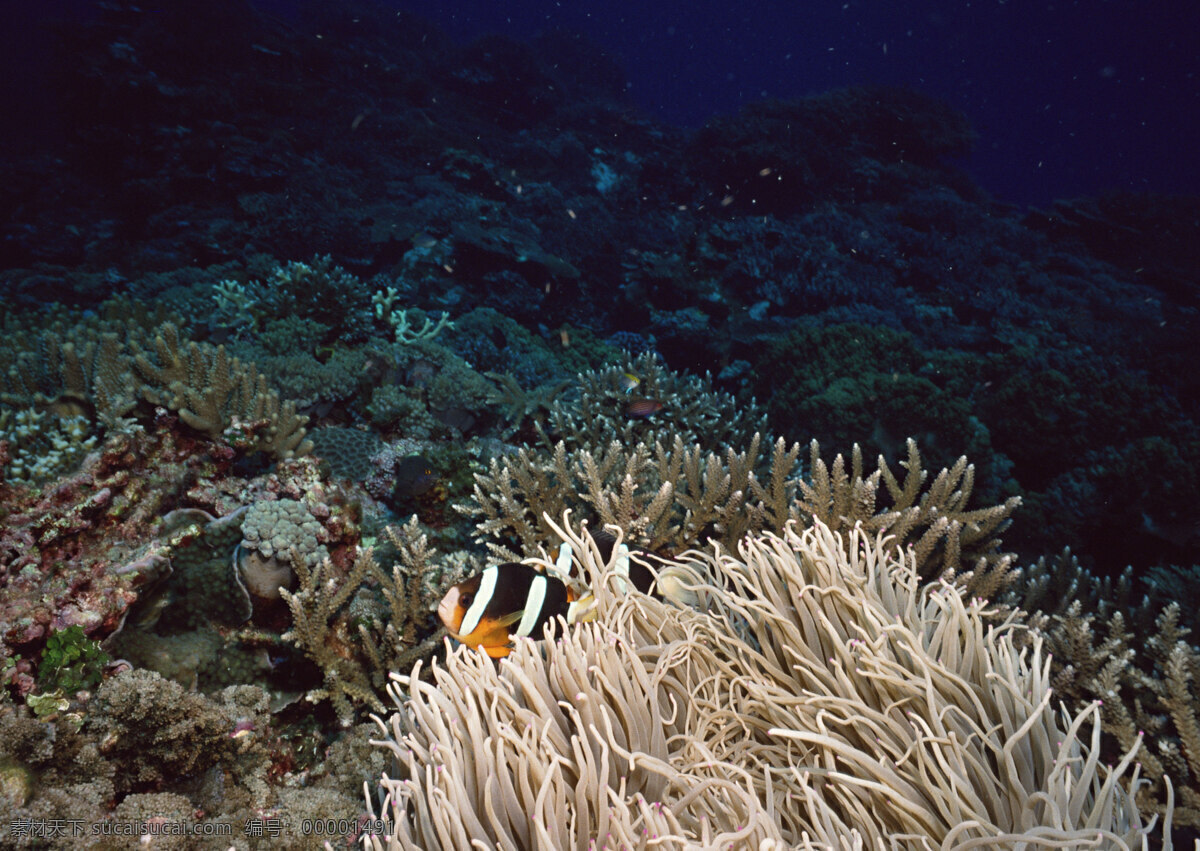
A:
[515,600]
[504,601]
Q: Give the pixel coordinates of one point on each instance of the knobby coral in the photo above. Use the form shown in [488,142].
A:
[823,697]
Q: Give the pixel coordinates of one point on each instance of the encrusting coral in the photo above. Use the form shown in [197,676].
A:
[823,698]
[348,451]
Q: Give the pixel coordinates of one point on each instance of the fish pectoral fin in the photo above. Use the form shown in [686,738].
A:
[508,620]
[496,643]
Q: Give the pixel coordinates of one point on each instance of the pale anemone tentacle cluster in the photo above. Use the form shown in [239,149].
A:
[821,697]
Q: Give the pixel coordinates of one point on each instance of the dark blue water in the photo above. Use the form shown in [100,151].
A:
[1068,98]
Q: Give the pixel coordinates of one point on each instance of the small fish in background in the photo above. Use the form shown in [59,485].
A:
[415,476]
[642,409]
[423,241]
[629,382]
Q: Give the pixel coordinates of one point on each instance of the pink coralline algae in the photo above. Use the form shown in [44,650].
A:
[90,548]
[76,551]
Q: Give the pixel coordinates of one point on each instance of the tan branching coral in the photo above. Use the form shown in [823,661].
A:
[343,628]
[1148,684]
[112,364]
[948,540]
[1060,585]
[665,498]
[320,630]
[669,498]
[83,364]
[212,391]
[824,698]
[1124,642]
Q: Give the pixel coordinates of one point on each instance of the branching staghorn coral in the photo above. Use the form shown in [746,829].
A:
[691,409]
[112,364]
[321,630]
[824,698]
[517,406]
[947,539]
[82,363]
[1148,684]
[669,498]
[1059,584]
[665,498]
[355,649]
[406,331]
[212,391]
[1125,643]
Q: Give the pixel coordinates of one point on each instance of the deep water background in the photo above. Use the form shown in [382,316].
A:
[190,134]
[1068,98]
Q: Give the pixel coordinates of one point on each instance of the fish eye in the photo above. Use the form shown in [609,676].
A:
[465,600]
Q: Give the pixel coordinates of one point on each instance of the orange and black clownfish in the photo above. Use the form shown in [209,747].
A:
[503,601]
[512,600]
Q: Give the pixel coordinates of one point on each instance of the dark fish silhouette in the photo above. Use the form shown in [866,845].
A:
[414,476]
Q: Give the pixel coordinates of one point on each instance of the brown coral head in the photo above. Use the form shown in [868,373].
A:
[263,576]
